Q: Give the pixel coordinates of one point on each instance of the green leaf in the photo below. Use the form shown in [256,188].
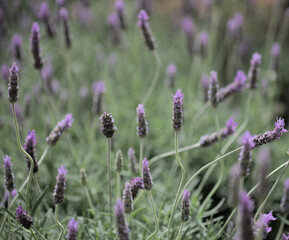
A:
[38,200]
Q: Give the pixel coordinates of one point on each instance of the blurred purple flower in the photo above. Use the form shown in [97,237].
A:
[72,229]
[29,147]
[60,187]
[261,226]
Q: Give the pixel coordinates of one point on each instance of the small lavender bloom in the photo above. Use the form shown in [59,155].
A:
[13,84]
[29,147]
[223,133]
[119,7]
[203,41]
[185,208]
[118,162]
[97,102]
[246,207]
[114,24]
[234,26]
[136,185]
[4,201]
[284,206]
[44,15]
[83,92]
[253,73]
[5,72]
[178,114]
[72,229]
[34,44]
[230,89]
[127,198]
[8,174]
[213,89]
[132,160]
[121,225]
[275,52]
[145,30]
[188,27]
[171,72]
[205,83]
[142,125]
[245,155]
[146,175]
[23,218]
[47,74]
[261,226]
[285,237]
[17,46]
[234,183]
[271,136]
[108,128]
[61,126]
[60,186]
[144,4]
[64,16]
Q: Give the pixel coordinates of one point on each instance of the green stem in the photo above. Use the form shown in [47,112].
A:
[140,155]
[118,192]
[180,231]
[9,217]
[155,216]
[39,234]
[26,154]
[280,230]
[180,185]
[155,79]
[89,198]
[109,176]
[57,222]
[39,190]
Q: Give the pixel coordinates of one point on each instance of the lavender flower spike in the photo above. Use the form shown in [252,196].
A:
[253,73]
[261,226]
[29,147]
[203,43]
[72,229]
[142,125]
[271,136]
[61,126]
[34,43]
[13,84]
[132,160]
[44,15]
[246,207]
[118,162]
[146,175]
[60,187]
[185,216]
[108,128]
[63,13]
[177,111]
[23,218]
[8,174]
[275,52]
[97,102]
[145,30]
[205,83]
[136,185]
[188,27]
[119,8]
[127,198]
[245,156]
[17,46]
[213,89]
[284,206]
[171,72]
[121,225]
[114,24]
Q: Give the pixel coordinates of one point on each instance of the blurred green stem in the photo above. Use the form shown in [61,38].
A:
[89,198]
[140,155]
[118,191]
[280,230]
[39,190]
[155,216]
[109,176]
[155,79]
[180,185]
[26,154]
[180,231]
[57,222]
[9,217]
[39,234]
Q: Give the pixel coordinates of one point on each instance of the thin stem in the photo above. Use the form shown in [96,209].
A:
[57,222]
[109,176]
[140,154]
[155,216]
[180,185]
[26,154]
[280,230]
[39,190]
[39,234]
[118,192]
[171,153]
[262,206]
[89,198]
[155,79]
[180,231]
[9,217]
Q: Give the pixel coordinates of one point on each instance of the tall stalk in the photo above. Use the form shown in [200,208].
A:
[109,175]
[57,222]
[155,216]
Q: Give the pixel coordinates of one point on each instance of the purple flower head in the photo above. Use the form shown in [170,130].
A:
[171,70]
[234,182]
[285,237]
[247,140]
[44,11]
[34,44]
[23,218]
[121,225]
[97,102]
[188,26]
[5,72]
[204,38]
[245,155]
[279,127]
[127,198]
[231,126]
[205,83]
[146,175]
[5,199]
[16,46]
[262,224]
[60,3]
[142,17]
[8,174]
[99,87]
[136,185]
[142,125]
[240,80]
[185,208]
[119,5]
[47,73]
[235,24]
[275,50]
[13,84]
[72,229]
[213,89]
[29,147]
[113,19]
[108,128]
[66,123]
[63,13]
[284,206]
[253,73]
[178,114]
[60,186]
[145,30]
[256,59]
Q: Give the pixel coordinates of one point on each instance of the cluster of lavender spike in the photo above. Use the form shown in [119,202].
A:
[29,147]
[145,30]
